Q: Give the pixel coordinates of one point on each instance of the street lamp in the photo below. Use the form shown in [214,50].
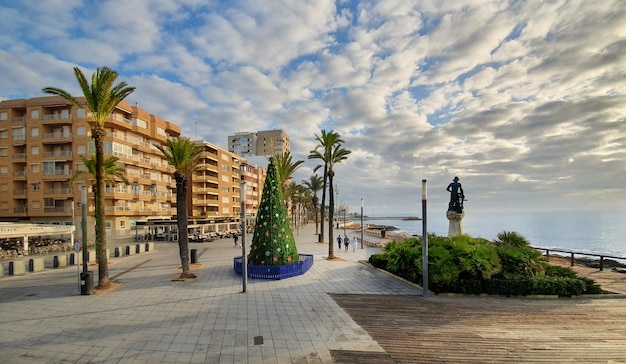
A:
[361,223]
[344,221]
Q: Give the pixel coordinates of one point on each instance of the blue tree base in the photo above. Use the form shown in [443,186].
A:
[275,271]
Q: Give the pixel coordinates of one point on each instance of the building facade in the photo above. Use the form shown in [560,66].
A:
[267,142]
[41,144]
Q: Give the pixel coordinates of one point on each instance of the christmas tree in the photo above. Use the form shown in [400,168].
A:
[273,242]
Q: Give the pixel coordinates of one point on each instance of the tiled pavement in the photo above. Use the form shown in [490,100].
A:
[152,318]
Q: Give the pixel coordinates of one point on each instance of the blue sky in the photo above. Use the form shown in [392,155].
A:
[523,100]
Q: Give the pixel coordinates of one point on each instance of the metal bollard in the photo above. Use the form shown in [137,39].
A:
[194,256]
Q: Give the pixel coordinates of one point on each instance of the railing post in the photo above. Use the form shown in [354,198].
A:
[571,260]
[601,263]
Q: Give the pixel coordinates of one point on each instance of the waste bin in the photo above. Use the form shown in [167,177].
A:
[194,256]
[86,283]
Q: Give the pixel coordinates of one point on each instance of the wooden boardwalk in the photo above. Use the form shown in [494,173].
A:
[469,329]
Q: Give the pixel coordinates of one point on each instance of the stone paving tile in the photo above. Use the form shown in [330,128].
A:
[153,319]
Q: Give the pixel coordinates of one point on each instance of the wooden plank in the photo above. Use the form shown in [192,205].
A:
[465,329]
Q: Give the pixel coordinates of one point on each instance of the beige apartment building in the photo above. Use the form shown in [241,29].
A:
[41,142]
[214,190]
[267,142]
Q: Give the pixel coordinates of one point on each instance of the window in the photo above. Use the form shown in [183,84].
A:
[4,187]
[80,113]
[34,150]
[4,170]
[81,149]
[35,186]
[4,205]
[107,225]
[81,130]
[160,131]
[36,205]
[122,224]
[225,199]
[34,168]
[34,114]
[225,179]
[3,134]
[142,124]
[4,152]
[225,189]
[225,168]
[34,132]
[3,116]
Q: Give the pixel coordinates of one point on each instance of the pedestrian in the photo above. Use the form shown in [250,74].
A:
[354,243]
[236,239]
[346,241]
[339,241]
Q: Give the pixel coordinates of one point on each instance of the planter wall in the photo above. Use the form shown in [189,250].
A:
[275,271]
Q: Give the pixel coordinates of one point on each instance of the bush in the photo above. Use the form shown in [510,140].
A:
[508,266]
[517,257]
[378,261]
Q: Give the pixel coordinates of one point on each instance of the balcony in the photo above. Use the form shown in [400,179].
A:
[19,192]
[19,120]
[56,209]
[58,191]
[20,210]
[58,174]
[19,174]
[58,154]
[56,118]
[19,155]
[59,137]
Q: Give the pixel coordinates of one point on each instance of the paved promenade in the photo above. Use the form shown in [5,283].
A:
[340,311]
[152,318]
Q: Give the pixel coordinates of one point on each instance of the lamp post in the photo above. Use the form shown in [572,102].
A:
[344,221]
[244,259]
[361,223]
[424,241]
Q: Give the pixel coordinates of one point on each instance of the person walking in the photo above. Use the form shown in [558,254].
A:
[346,241]
[339,241]
[354,243]
[236,239]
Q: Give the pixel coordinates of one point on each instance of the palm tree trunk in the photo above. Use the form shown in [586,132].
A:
[322,212]
[181,218]
[331,242]
[101,248]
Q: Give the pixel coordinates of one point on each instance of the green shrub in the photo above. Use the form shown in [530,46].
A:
[507,267]
[517,257]
[378,261]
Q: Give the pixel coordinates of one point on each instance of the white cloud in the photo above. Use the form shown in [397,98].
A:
[523,100]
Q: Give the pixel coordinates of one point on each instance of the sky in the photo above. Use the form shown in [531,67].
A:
[524,101]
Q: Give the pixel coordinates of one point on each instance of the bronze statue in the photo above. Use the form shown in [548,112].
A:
[456,196]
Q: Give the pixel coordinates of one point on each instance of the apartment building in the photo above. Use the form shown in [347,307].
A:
[267,142]
[41,142]
[213,190]
[254,177]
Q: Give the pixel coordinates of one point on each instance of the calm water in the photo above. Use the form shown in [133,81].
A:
[597,232]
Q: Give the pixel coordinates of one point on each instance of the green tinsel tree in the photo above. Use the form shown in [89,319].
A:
[273,242]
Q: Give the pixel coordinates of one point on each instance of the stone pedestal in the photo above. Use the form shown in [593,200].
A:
[455,228]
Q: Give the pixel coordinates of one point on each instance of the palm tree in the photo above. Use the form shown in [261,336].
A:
[285,168]
[101,97]
[337,155]
[326,140]
[314,184]
[113,171]
[183,155]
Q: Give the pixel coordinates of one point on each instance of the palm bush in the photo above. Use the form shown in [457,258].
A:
[508,266]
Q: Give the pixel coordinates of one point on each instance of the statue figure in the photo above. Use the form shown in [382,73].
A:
[456,196]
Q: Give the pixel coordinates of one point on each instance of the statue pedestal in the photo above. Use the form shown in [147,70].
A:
[455,228]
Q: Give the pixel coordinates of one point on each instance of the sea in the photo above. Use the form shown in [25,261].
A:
[598,232]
